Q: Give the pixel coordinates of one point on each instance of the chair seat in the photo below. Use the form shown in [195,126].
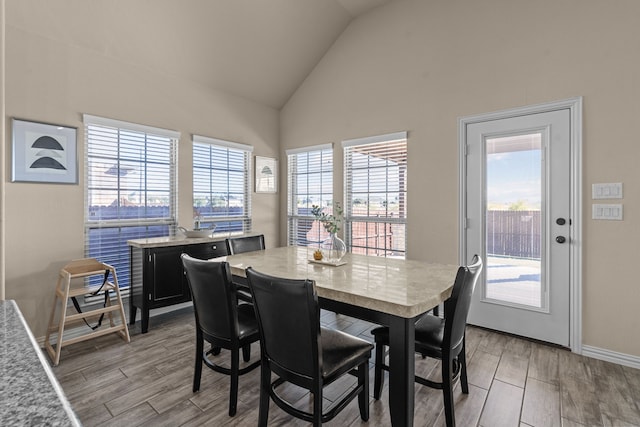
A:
[429,334]
[247,324]
[243,295]
[340,351]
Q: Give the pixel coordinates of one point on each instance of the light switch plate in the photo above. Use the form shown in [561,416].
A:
[612,190]
[609,212]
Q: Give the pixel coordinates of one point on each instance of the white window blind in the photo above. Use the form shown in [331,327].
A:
[221,184]
[375,172]
[130,188]
[310,182]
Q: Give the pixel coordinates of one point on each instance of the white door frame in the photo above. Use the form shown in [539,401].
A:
[575,235]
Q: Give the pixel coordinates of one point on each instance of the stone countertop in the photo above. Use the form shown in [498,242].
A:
[167,241]
[30,393]
[180,240]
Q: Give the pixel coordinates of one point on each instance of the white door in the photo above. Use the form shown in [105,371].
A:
[518,218]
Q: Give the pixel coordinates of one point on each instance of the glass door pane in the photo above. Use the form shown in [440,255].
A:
[514,220]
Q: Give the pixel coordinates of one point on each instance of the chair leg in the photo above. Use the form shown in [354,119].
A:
[378,374]
[462,360]
[246,352]
[317,407]
[447,390]
[363,397]
[197,373]
[265,385]
[233,392]
[436,311]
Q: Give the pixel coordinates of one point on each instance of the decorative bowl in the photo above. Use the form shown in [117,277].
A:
[201,232]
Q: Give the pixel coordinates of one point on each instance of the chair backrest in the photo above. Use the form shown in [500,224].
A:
[289,322]
[214,297]
[456,308]
[238,245]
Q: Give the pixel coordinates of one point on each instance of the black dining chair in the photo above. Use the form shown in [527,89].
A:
[299,351]
[438,338]
[221,321]
[238,245]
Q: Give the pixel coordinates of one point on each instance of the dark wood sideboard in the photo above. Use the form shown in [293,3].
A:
[157,276]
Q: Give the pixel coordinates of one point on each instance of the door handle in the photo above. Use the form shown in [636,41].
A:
[561,239]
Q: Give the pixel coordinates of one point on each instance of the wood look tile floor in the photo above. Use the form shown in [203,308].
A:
[512,381]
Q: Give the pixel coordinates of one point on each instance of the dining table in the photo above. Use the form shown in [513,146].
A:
[383,290]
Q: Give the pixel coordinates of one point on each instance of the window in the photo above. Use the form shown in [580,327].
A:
[310,182]
[221,193]
[130,188]
[375,171]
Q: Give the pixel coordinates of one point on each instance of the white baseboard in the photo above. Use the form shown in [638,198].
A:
[611,356]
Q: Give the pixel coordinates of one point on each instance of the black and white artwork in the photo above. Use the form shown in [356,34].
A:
[266,175]
[44,153]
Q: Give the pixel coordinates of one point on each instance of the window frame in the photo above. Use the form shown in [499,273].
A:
[100,134]
[296,219]
[391,225]
[204,221]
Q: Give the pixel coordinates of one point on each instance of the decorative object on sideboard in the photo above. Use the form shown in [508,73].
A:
[199,232]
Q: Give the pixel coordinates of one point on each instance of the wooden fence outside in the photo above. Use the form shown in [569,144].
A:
[514,233]
[376,236]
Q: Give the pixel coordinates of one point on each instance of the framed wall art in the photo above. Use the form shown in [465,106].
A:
[43,153]
[266,175]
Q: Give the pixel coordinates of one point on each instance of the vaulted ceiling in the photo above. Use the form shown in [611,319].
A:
[261,50]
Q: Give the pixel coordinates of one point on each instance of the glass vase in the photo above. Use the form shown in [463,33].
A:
[333,248]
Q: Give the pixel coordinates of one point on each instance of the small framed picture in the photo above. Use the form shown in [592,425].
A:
[43,153]
[266,175]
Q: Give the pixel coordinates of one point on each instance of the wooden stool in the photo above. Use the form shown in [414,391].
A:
[82,268]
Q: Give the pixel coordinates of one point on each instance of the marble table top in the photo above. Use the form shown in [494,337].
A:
[30,394]
[404,288]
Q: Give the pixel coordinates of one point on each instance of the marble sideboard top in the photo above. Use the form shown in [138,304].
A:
[167,241]
[180,240]
[30,394]
[400,287]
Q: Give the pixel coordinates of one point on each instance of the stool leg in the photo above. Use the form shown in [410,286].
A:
[108,304]
[116,287]
[51,327]
[53,312]
[63,317]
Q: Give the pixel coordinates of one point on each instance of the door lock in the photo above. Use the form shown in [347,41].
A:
[561,221]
